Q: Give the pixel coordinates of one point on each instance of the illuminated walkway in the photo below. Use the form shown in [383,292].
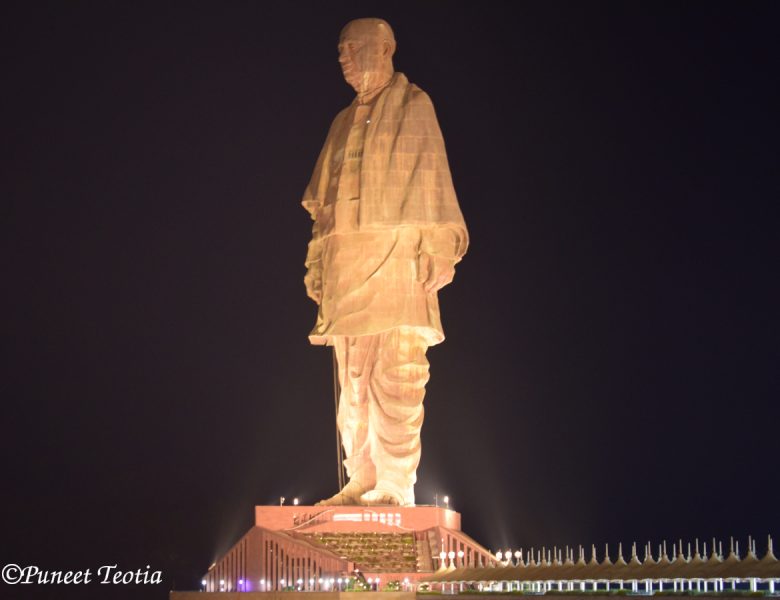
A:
[549,572]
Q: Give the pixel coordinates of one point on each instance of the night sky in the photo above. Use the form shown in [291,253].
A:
[611,365]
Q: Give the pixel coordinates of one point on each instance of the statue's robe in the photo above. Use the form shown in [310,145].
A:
[393,196]
[381,195]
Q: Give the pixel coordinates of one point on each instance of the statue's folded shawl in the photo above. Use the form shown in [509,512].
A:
[405,179]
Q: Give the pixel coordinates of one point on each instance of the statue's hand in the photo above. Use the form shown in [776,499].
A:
[435,272]
[313,282]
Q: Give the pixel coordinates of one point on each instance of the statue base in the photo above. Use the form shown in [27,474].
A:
[336,548]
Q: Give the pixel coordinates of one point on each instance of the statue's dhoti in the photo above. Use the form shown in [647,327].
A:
[382,379]
[380,321]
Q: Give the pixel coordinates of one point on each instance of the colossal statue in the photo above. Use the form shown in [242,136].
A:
[387,234]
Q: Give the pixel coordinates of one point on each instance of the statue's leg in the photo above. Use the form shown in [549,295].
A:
[396,415]
[355,357]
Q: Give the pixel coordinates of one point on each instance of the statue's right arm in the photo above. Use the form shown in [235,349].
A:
[313,277]
[315,192]
[313,198]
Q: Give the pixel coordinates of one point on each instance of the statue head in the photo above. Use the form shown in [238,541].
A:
[366,48]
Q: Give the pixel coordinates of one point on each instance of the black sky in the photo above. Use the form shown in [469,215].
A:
[611,367]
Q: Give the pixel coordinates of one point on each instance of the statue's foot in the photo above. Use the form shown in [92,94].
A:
[349,495]
[380,497]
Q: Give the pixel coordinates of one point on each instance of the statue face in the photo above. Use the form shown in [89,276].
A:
[364,57]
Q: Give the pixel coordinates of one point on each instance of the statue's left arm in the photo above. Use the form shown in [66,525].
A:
[440,250]
[444,242]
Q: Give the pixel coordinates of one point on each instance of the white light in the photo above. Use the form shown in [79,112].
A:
[499,555]
[203,582]
[451,555]
[281,500]
[339,580]
[460,553]
[518,554]
[295,501]
[442,555]
[240,582]
[370,580]
[221,582]
[446,500]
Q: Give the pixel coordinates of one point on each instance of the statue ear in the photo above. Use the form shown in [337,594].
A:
[387,49]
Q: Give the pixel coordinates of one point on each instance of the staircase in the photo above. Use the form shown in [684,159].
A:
[373,552]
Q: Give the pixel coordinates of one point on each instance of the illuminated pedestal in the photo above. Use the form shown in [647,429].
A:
[312,547]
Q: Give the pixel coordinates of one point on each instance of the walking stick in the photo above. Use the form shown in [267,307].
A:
[336,394]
